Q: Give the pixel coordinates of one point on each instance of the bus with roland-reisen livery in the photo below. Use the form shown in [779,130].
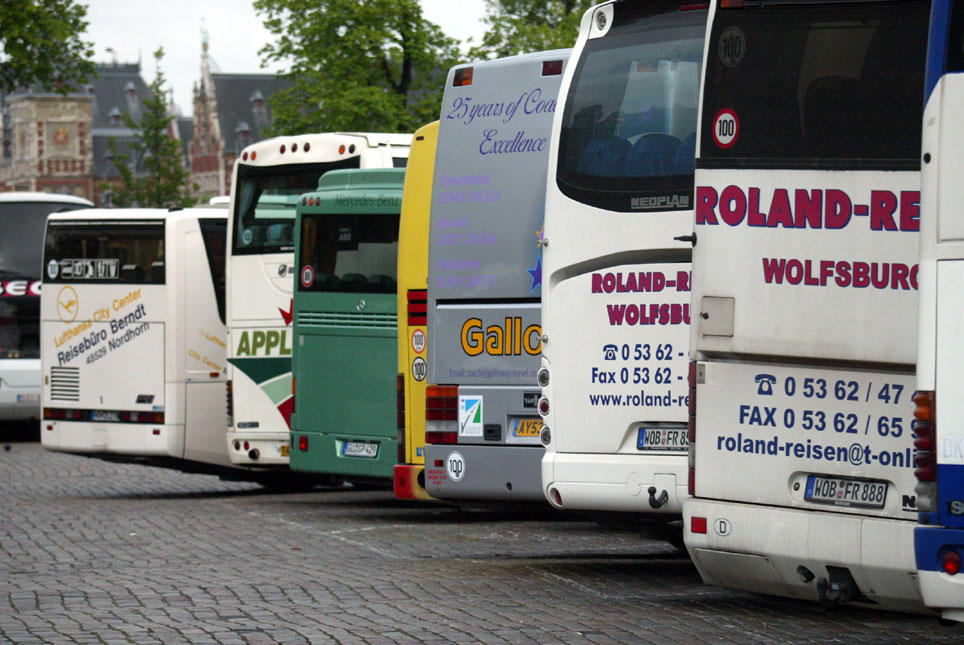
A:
[133,339]
[409,473]
[345,325]
[939,410]
[23,216]
[615,303]
[485,279]
[804,300]
[269,179]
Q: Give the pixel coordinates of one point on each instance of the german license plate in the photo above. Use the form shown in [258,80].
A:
[662,439]
[526,427]
[360,449]
[846,492]
[105,415]
[284,449]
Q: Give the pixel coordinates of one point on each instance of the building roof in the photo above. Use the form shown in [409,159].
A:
[243,106]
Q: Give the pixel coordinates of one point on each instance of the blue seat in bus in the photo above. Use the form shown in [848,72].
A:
[652,156]
[684,162]
[604,157]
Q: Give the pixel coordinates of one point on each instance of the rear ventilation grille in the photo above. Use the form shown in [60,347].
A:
[348,320]
[65,383]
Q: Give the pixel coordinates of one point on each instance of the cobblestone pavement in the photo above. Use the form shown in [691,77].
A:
[97,552]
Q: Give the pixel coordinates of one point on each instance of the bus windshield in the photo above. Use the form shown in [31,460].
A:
[812,82]
[266,200]
[101,251]
[629,126]
[350,253]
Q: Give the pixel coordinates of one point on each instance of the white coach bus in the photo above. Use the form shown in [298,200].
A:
[615,306]
[804,300]
[269,178]
[22,219]
[133,346]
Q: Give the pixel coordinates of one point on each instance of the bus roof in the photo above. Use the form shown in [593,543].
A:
[372,139]
[138,213]
[44,197]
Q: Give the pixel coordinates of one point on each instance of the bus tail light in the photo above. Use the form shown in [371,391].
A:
[463,77]
[698,525]
[400,416]
[551,67]
[951,562]
[229,400]
[441,438]
[925,431]
[731,4]
[441,414]
[417,307]
[303,443]
[691,431]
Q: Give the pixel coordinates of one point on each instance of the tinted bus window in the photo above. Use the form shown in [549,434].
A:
[19,332]
[22,224]
[214,232]
[629,128]
[814,82]
[105,251]
[266,198]
[350,253]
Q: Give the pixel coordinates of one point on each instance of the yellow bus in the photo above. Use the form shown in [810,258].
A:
[409,473]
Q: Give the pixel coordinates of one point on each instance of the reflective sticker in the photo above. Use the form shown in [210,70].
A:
[732,46]
[726,128]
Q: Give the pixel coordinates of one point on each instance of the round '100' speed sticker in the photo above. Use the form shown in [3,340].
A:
[726,128]
[732,46]
[419,369]
[307,276]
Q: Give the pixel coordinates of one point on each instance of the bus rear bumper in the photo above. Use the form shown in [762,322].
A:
[484,473]
[786,552]
[609,482]
[19,403]
[941,591]
[258,448]
[131,439]
[409,482]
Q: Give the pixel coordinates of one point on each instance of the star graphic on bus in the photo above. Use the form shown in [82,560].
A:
[536,274]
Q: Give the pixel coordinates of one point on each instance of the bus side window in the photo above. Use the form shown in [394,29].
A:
[214,233]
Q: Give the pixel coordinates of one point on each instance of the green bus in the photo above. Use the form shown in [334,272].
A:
[345,325]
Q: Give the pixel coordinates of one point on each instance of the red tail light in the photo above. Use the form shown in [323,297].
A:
[552,68]
[441,437]
[229,399]
[951,563]
[303,443]
[698,525]
[441,403]
[925,427]
[417,307]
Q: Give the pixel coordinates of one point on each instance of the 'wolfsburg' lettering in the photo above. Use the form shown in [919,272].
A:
[860,275]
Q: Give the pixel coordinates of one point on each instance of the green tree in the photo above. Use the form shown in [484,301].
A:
[165,181]
[523,26]
[41,44]
[372,65]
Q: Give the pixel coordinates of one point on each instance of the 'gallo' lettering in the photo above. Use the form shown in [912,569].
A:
[510,340]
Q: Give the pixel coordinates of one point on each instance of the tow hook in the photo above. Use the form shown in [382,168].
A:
[840,588]
[657,502]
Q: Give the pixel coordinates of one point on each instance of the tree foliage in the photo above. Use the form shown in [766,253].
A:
[523,26]
[41,44]
[363,65]
[165,180]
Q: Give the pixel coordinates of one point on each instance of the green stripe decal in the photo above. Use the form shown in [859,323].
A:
[278,390]
[260,370]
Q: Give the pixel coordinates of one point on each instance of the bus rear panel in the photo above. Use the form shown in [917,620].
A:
[939,537]
[804,301]
[409,473]
[270,177]
[485,277]
[616,301]
[345,327]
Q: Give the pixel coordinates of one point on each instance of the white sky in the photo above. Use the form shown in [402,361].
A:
[134,29]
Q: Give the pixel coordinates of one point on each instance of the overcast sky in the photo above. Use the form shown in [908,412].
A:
[134,29]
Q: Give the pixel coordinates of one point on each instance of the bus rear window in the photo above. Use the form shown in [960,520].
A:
[104,251]
[629,126]
[349,253]
[266,201]
[809,85]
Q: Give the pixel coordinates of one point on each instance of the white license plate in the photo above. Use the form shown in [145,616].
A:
[662,439]
[105,415]
[360,449]
[846,492]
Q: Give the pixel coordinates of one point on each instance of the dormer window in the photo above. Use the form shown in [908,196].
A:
[115,116]
[130,89]
[257,100]
[243,130]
